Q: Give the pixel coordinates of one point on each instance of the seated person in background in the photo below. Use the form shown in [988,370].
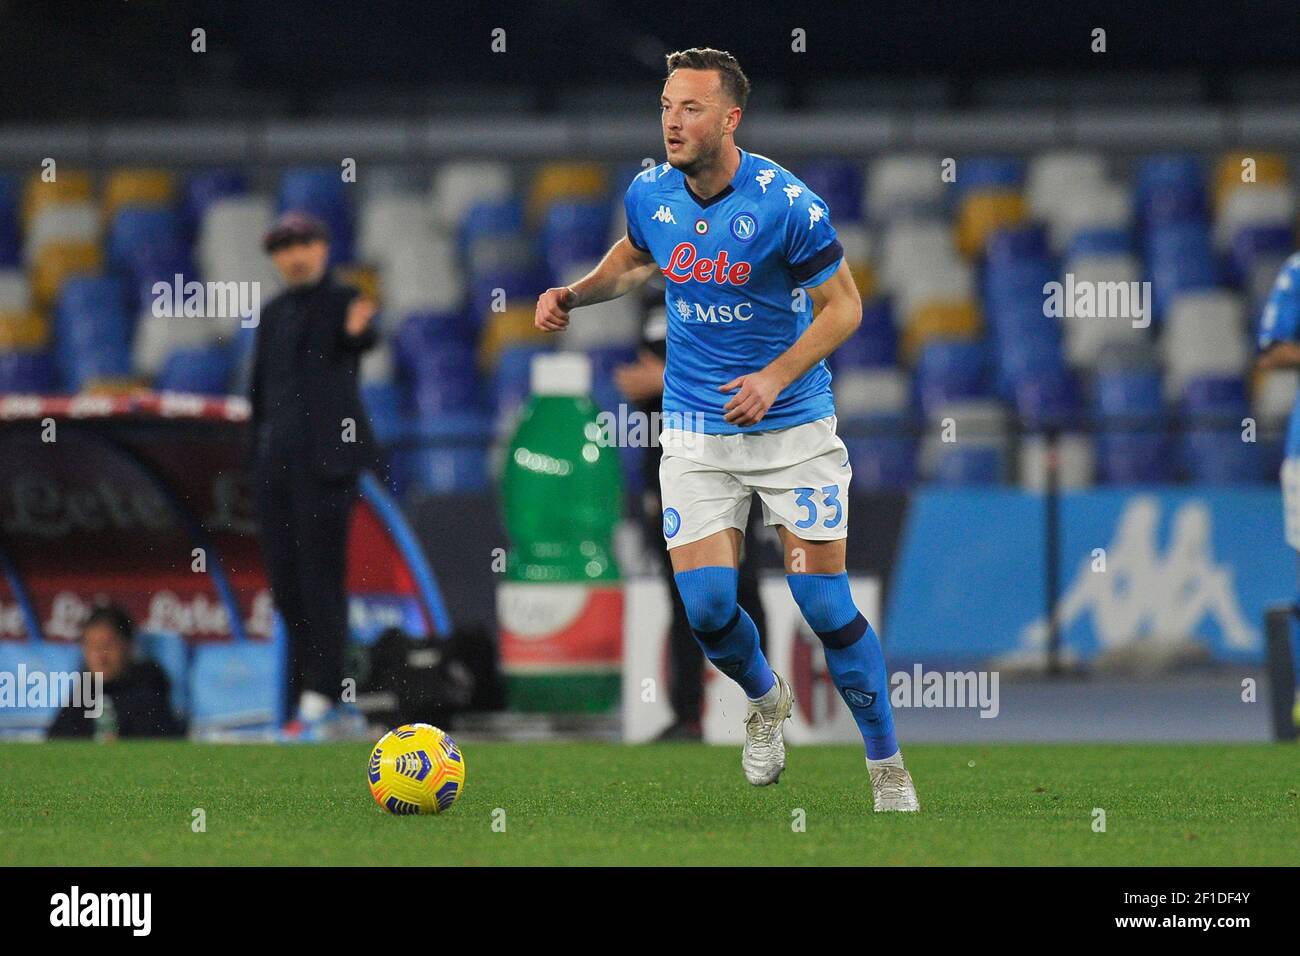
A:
[136,701]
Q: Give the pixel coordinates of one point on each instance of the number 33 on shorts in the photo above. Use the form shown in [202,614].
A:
[828,515]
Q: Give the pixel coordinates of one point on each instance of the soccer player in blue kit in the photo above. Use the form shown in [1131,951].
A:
[749,257]
[1279,347]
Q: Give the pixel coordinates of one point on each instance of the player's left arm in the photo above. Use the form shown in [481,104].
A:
[837,311]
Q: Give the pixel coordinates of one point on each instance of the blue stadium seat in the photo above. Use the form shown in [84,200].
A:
[1181,258]
[1099,241]
[444,380]
[1016,244]
[604,360]
[322,193]
[839,183]
[1170,190]
[92,331]
[1019,359]
[1252,245]
[204,370]
[1050,400]
[963,465]
[512,378]
[27,372]
[1218,456]
[1133,396]
[1133,457]
[490,217]
[451,455]
[950,371]
[988,172]
[517,285]
[140,234]
[1215,395]
[881,461]
[874,344]
[203,188]
[573,231]
[422,332]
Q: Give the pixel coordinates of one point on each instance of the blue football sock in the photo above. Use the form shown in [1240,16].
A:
[853,655]
[723,629]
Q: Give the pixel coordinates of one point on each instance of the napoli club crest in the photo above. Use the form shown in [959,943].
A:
[743,226]
[672,522]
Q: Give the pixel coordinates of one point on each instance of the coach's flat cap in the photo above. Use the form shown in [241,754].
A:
[293,227]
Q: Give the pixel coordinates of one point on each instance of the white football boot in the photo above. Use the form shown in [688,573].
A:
[763,758]
[892,788]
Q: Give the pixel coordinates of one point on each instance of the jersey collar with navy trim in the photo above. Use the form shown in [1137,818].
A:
[725,191]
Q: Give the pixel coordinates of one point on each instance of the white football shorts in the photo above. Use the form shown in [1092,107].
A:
[801,475]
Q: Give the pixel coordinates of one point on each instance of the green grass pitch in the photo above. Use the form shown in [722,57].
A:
[133,803]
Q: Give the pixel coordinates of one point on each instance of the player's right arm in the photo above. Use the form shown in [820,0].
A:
[624,268]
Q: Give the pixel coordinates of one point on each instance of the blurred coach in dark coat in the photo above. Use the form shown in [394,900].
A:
[311,439]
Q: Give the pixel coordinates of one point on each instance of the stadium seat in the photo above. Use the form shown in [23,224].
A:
[938,321]
[1133,457]
[511,380]
[61,222]
[508,328]
[137,187]
[15,291]
[1255,205]
[27,373]
[874,343]
[1204,334]
[204,371]
[68,186]
[903,185]
[1053,180]
[229,245]
[138,235]
[984,212]
[558,181]
[59,262]
[385,220]
[203,188]
[458,186]
[1075,462]
[948,372]
[1169,190]
[839,184]
[913,248]
[1093,206]
[871,392]
[422,275]
[23,331]
[573,231]
[449,455]
[882,461]
[1268,168]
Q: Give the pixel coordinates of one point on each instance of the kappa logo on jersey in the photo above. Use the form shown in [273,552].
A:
[686,264]
[664,214]
[744,226]
[765,177]
[792,192]
[815,213]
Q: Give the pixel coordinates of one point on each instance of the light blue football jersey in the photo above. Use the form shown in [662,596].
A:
[731,266]
[1281,323]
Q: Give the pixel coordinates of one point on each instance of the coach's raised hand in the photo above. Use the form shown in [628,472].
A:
[553,307]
